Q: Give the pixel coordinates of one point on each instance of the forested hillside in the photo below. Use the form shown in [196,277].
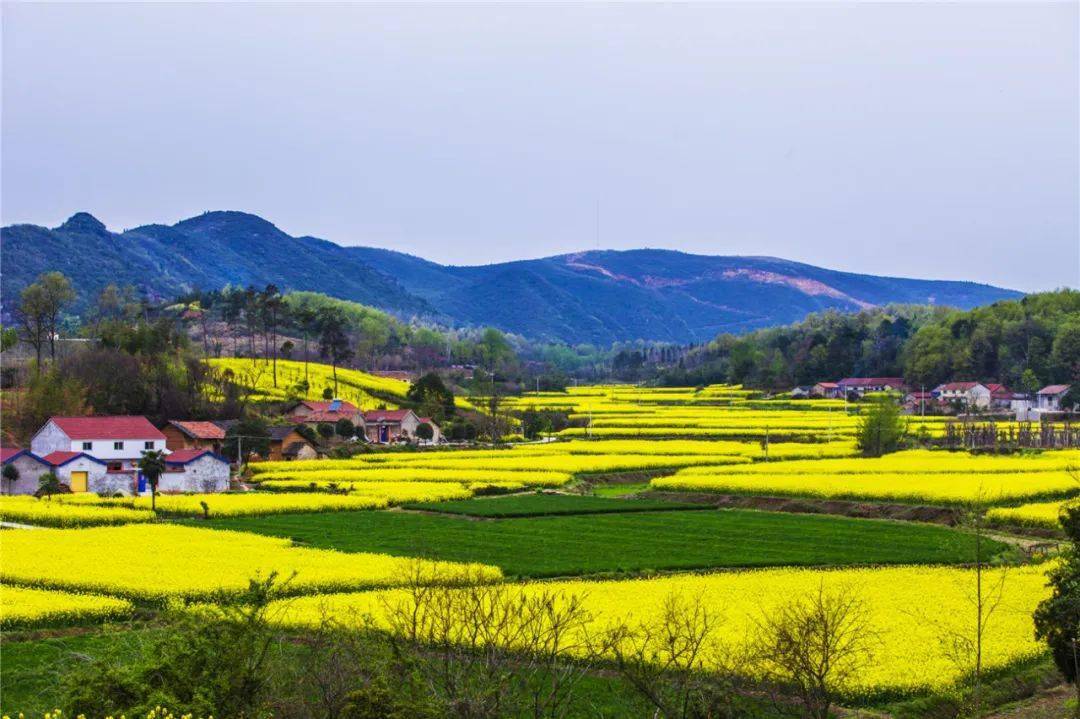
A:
[1023,343]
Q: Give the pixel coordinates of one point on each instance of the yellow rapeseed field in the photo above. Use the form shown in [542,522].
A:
[389,492]
[28,607]
[25,509]
[943,488]
[1037,514]
[160,561]
[311,472]
[257,503]
[909,653]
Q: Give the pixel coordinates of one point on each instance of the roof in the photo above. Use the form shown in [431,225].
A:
[330,405]
[60,458]
[386,415]
[995,388]
[827,385]
[281,431]
[957,386]
[324,415]
[921,395]
[1054,389]
[120,427]
[199,430]
[9,453]
[185,456]
[871,381]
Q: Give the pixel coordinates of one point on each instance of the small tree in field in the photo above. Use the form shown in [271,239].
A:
[815,646]
[424,431]
[152,466]
[881,428]
[11,475]
[49,484]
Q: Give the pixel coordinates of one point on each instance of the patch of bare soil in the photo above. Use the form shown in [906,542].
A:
[1047,704]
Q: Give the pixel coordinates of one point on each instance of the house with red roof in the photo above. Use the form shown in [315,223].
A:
[118,441]
[29,466]
[193,435]
[395,425]
[968,394]
[312,412]
[1050,397]
[828,390]
[864,385]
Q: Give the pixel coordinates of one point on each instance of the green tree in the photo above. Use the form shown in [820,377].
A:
[345,428]
[152,466]
[334,339]
[1057,619]
[9,337]
[1065,354]
[11,475]
[881,428]
[49,484]
[325,430]
[424,431]
[432,397]
[250,434]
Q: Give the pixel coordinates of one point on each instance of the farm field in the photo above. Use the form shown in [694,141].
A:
[574,512]
[539,505]
[907,656]
[576,545]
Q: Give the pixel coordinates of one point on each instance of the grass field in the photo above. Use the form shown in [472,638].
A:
[541,505]
[583,544]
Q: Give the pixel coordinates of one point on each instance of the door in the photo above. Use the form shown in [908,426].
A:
[78,481]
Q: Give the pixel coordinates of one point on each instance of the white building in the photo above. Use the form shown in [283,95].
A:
[969,394]
[1050,397]
[118,441]
[194,470]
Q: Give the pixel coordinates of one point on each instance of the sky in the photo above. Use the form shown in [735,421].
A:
[929,140]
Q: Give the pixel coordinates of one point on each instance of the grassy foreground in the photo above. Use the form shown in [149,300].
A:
[588,544]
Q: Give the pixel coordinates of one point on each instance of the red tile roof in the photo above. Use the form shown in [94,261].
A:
[1054,389]
[997,388]
[7,453]
[956,386]
[60,457]
[386,415]
[871,381]
[827,385]
[199,430]
[324,406]
[107,427]
[322,416]
[183,456]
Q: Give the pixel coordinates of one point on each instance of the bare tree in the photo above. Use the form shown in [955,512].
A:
[814,646]
[491,650]
[675,662]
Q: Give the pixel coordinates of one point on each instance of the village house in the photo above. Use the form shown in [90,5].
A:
[827,390]
[118,441]
[313,413]
[30,468]
[1050,397]
[967,394]
[193,435]
[1001,397]
[802,392]
[919,401]
[396,425]
[194,470]
[863,385]
[286,443]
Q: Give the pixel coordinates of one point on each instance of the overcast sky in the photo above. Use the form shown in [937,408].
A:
[933,140]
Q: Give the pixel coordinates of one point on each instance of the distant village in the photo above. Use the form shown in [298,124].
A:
[101,454]
[947,398]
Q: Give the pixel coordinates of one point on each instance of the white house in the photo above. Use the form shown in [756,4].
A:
[30,468]
[118,441]
[969,394]
[865,385]
[1050,397]
[83,473]
[194,470]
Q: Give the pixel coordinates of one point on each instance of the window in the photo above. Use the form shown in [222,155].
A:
[117,445]
[87,446]
[148,445]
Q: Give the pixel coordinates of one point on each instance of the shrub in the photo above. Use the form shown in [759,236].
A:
[424,431]
[345,428]
[325,430]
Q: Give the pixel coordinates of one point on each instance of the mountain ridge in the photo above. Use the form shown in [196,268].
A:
[597,296]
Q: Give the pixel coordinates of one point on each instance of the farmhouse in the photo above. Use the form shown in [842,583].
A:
[801,392]
[117,441]
[193,435]
[863,385]
[287,443]
[194,470]
[393,425]
[312,413]
[29,466]
[828,390]
[1050,397]
[969,394]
